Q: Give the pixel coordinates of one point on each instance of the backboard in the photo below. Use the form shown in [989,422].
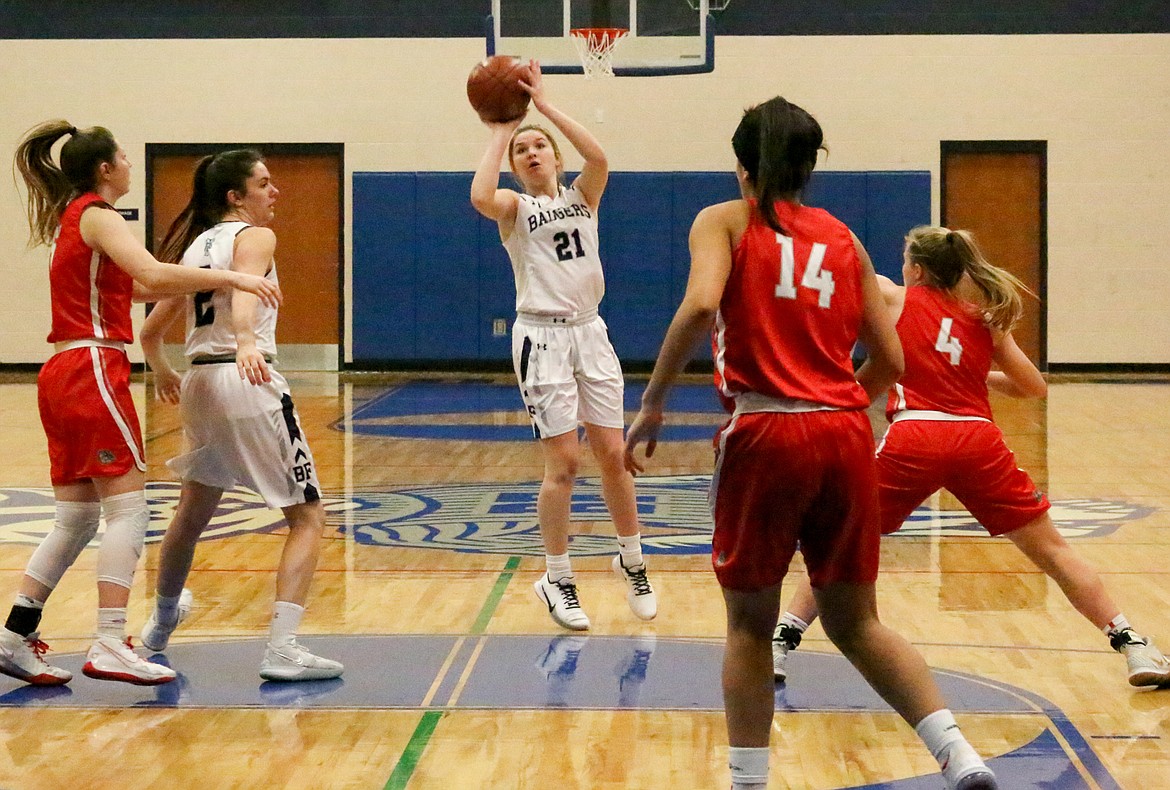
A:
[665,36]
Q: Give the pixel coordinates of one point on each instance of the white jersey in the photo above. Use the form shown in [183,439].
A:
[209,313]
[554,254]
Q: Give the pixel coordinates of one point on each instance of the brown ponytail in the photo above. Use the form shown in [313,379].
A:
[51,187]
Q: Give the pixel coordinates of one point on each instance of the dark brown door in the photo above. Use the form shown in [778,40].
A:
[307,225]
[997,190]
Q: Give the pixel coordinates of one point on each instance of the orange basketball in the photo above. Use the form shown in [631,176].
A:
[493,88]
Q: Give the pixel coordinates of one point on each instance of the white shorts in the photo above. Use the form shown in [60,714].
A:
[568,373]
[244,434]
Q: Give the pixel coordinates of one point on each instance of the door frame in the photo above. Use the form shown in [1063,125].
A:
[1035,147]
[287,149]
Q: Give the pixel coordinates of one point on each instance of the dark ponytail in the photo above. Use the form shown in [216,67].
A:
[51,187]
[776,143]
[215,175]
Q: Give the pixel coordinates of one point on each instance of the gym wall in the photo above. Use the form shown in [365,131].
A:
[398,106]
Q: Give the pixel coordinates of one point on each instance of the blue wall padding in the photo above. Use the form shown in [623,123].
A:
[384,286]
[430,275]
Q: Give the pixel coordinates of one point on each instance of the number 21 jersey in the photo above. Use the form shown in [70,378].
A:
[554,253]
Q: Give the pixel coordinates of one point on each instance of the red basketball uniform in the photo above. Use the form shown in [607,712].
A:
[795,462]
[83,391]
[941,434]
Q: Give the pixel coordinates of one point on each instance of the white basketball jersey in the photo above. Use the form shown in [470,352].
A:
[554,254]
[209,313]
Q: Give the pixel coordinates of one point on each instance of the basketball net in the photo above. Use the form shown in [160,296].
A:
[595,48]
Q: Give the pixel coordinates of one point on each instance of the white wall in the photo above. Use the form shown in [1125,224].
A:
[1101,102]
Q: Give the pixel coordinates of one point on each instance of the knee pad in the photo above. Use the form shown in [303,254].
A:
[127,517]
[75,525]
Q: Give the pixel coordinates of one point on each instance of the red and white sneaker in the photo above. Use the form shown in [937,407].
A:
[109,659]
[20,657]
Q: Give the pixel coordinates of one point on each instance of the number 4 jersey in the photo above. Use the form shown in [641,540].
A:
[948,350]
[209,313]
[791,311]
[553,248]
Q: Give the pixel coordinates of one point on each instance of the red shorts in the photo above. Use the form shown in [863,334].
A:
[783,479]
[88,415]
[969,459]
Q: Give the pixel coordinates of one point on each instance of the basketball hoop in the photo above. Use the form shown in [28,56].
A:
[595,47]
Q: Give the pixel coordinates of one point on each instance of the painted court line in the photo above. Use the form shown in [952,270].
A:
[426,725]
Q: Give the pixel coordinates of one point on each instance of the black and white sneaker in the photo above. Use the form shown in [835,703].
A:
[563,605]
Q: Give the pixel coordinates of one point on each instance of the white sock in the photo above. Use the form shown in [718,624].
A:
[30,603]
[286,621]
[946,742]
[630,548]
[558,567]
[1118,623]
[790,619]
[166,609]
[749,767]
[112,623]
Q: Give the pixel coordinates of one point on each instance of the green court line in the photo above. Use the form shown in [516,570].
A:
[493,599]
[414,749]
[426,725]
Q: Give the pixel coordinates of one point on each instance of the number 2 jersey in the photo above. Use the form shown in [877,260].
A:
[554,253]
[209,313]
[790,313]
[948,350]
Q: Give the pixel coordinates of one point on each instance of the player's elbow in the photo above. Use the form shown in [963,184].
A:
[1036,388]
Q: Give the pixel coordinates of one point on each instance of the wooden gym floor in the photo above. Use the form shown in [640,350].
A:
[456,677]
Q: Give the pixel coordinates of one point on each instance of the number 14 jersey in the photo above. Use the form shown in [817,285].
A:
[791,311]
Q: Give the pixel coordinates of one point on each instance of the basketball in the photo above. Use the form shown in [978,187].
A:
[493,88]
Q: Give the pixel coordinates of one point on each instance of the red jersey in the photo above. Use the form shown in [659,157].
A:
[948,350]
[791,311]
[91,296]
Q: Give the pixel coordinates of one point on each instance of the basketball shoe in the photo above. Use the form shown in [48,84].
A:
[563,604]
[963,769]
[1147,665]
[109,659]
[639,593]
[20,657]
[156,634]
[294,662]
[785,639]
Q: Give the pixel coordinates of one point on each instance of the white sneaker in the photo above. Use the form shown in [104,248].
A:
[156,635]
[964,769]
[109,659]
[563,605]
[294,662]
[785,639]
[639,593]
[1147,665]
[20,657]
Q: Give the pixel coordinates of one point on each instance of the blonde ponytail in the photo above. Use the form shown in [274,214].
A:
[946,255]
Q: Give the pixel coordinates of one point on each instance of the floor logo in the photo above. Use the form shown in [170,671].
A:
[500,518]
[26,514]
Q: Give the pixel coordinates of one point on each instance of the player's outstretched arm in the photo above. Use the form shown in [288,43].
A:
[710,244]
